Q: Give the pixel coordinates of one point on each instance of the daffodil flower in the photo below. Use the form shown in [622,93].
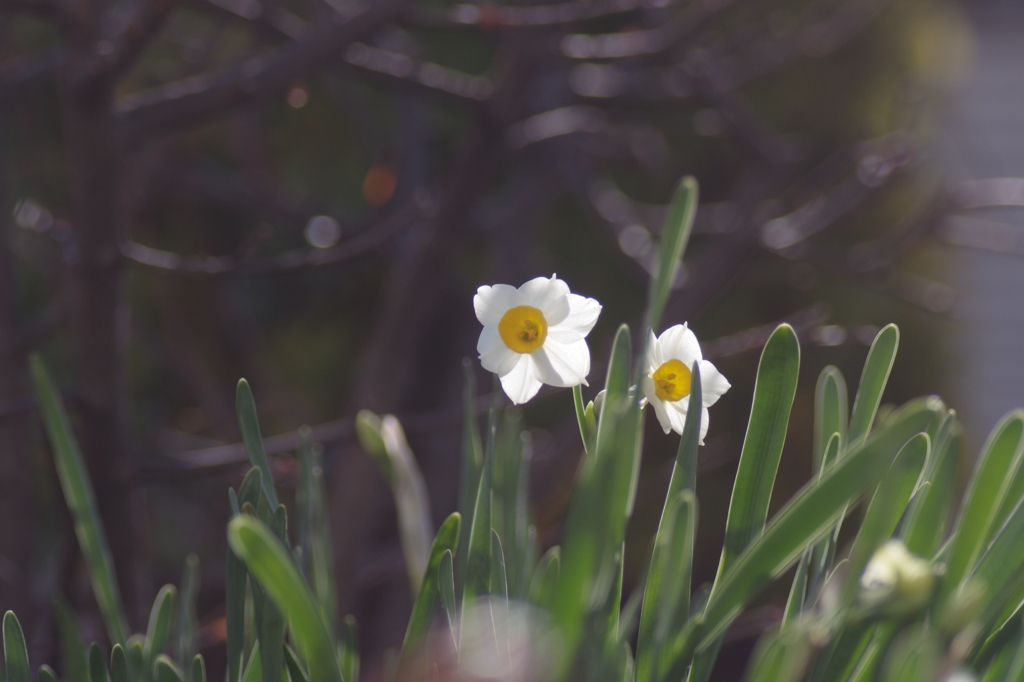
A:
[666,383]
[534,335]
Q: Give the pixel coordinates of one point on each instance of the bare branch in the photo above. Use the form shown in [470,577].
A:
[293,260]
[535,16]
[144,20]
[185,103]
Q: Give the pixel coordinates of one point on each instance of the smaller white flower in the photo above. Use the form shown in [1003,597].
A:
[666,383]
[534,335]
[897,578]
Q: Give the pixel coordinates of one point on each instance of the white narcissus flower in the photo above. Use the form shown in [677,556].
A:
[534,335]
[666,383]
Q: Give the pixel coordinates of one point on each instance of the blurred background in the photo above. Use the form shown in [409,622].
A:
[307,193]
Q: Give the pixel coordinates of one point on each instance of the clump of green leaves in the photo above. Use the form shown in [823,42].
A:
[925,588]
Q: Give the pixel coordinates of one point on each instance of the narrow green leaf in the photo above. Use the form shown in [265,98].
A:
[587,432]
[161,619]
[1015,673]
[674,236]
[867,665]
[446,585]
[809,514]
[498,581]
[774,391]
[999,567]
[992,477]
[199,669]
[447,540]
[666,604]
[271,563]
[469,473]
[882,516]
[545,579]
[166,670]
[295,669]
[873,379]
[133,654]
[415,528]
[118,665]
[609,615]
[249,491]
[235,582]
[478,560]
[601,503]
[97,666]
[249,424]
[797,591]
[925,525]
[830,411]
[915,654]
[254,669]
[15,651]
[187,627]
[316,534]
[46,674]
[780,656]
[81,501]
[350,652]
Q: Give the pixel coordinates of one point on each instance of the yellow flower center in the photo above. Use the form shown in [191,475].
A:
[672,381]
[523,329]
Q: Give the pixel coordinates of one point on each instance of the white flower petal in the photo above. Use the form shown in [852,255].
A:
[520,384]
[676,412]
[495,356]
[562,364]
[704,418]
[652,351]
[549,295]
[679,343]
[712,383]
[491,303]
[582,317]
[657,403]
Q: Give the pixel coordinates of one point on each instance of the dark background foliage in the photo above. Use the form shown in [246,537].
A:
[306,193]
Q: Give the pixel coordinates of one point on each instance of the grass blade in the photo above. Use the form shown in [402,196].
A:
[15,651]
[989,484]
[545,579]
[600,505]
[873,378]
[199,669]
[830,412]
[478,560]
[925,525]
[72,647]
[446,541]
[97,666]
[161,619]
[780,656]
[81,501]
[271,563]
[312,502]
[165,670]
[667,593]
[774,391]
[295,671]
[249,424]
[118,665]
[809,514]
[499,578]
[350,650]
[446,586]
[674,236]
[469,473]
[186,639]
[386,442]
[235,583]
[46,674]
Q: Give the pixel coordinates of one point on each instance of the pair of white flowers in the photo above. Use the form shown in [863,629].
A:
[536,334]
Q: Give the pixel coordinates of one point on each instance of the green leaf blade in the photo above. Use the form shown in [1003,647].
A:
[81,501]
[15,652]
[271,563]
[674,237]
